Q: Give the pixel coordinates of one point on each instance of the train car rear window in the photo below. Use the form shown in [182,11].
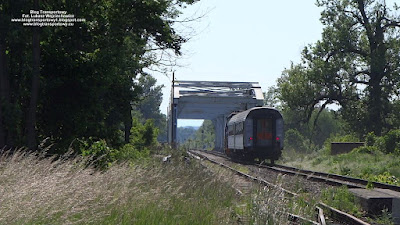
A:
[264,131]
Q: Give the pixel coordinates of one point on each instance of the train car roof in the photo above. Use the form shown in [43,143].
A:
[240,117]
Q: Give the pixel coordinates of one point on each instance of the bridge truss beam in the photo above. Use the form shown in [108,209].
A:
[212,100]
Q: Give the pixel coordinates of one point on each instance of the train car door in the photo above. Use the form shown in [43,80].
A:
[264,131]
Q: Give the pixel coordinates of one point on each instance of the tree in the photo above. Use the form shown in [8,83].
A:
[271,97]
[148,104]
[203,138]
[356,64]
[31,118]
[85,72]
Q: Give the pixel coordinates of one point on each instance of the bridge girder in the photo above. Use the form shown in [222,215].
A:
[213,100]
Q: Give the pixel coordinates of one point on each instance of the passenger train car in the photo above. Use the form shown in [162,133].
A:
[256,133]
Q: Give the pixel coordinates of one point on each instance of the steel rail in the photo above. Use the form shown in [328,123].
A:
[329,178]
[334,179]
[291,217]
[335,213]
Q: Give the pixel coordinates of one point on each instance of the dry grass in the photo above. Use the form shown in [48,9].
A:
[37,190]
[273,206]
[265,205]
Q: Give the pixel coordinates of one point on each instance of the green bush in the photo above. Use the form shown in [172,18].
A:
[294,141]
[129,152]
[143,136]
[366,149]
[390,143]
[98,152]
[385,177]
[370,139]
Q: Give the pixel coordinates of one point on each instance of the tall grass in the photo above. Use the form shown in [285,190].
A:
[39,190]
[375,166]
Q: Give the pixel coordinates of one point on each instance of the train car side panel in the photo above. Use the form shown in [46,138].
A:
[239,142]
[248,138]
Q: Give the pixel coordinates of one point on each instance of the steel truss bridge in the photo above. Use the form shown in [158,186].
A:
[211,100]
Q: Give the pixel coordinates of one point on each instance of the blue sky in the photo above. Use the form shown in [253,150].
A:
[250,41]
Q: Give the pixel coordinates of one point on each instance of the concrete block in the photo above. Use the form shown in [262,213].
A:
[374,201]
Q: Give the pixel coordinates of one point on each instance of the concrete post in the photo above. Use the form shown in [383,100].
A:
[219,126]
[172,125]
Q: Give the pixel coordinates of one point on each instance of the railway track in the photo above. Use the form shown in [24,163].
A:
[332,179]
[329,178]
[336,214]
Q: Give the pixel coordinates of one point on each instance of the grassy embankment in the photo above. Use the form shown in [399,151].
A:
[373,166]
[36,190]
[39,190]
[378,161]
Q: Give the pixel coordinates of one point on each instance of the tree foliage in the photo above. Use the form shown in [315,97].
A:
[356,65]
[148,104]
[203,138]
[86,72]
[313,131]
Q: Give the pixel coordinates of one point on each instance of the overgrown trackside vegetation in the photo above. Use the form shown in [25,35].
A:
[41,190]
[37,190]
[377,161]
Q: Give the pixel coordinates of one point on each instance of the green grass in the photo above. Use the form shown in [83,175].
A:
[341,198]
[37,190]
[372,166]
[375,166]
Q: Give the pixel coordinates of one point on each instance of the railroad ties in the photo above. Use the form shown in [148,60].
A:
[368,198]
[295,219]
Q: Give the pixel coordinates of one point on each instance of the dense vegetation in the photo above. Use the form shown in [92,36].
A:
[67,83]
[146,191]
[356,65]
[203,138]
[84,88]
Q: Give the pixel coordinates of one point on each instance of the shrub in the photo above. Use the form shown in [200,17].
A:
[391,141]
[294,140]
[385,177]
[366,149]
[370,139]
[143,135]
[129,152]
[102,156]
[98,152]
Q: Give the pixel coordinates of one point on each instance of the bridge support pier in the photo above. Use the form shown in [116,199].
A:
[219,127]
[172,125]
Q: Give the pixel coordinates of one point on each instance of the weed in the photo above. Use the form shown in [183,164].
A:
[342,199]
